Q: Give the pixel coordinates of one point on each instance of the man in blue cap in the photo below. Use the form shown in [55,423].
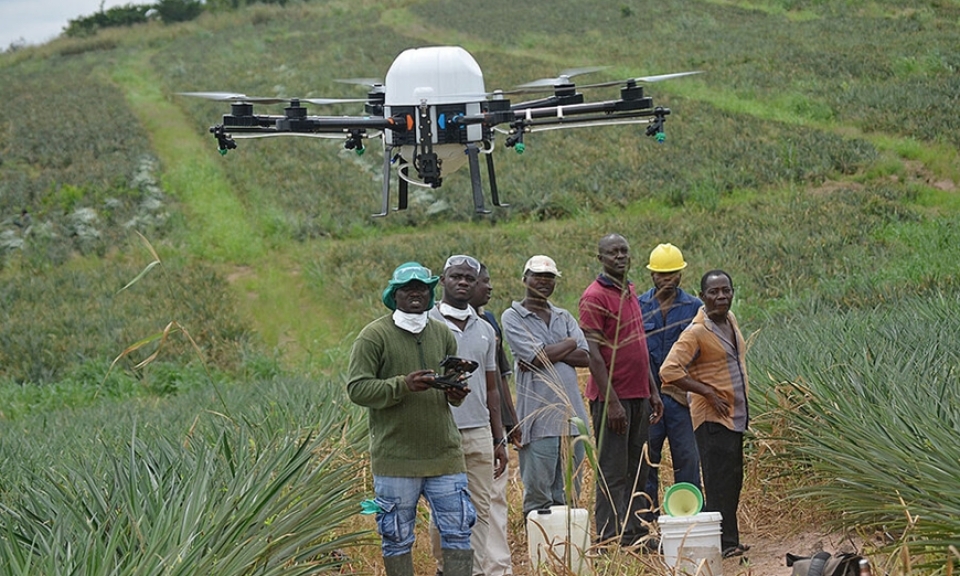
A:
[415,447]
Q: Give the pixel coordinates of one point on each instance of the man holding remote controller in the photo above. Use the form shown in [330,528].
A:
[415,446]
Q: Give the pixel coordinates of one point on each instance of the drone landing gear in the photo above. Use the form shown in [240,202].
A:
[473,157]
[403,193]
[403,189]
[385,205]
[473,153]
[492,177]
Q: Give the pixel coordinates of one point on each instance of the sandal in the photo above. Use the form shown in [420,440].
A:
[737,550]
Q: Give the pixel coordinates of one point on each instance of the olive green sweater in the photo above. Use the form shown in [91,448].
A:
[412,434]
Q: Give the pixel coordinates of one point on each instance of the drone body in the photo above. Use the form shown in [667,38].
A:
[434,115]
[450,82]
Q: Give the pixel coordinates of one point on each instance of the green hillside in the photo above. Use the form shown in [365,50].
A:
[815,159]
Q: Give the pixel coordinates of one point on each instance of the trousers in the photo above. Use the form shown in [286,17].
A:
[622,474]
[478,454]
[450,505]
[544,467]
[721,457]
[676,427]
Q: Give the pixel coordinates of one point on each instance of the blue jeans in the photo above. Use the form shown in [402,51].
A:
[450,508]
[676,427]
[542,472]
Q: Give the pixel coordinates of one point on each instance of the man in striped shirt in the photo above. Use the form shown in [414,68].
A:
[708,360]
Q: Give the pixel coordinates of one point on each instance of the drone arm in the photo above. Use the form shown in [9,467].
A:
[641,106]
[294,123]
[546,111]
[324,124]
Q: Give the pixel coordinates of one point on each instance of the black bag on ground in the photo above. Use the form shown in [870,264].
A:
[825,564]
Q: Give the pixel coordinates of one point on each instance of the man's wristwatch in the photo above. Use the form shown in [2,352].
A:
[499,442]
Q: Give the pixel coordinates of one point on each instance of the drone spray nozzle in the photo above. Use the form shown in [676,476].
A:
[515,140]
[355,142]
[655,128]
[224,141]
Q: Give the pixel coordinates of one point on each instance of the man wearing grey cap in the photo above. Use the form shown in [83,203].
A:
[414,442]
[547,346]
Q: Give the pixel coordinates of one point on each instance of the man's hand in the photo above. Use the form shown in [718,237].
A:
[656,407]
[499,459]
[516,437]
[616,417]
[420,380]
[717,403]
[456,395]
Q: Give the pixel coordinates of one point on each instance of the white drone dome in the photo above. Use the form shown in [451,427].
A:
[439,74]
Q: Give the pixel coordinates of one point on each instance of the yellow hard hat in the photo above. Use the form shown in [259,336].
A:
[666,258]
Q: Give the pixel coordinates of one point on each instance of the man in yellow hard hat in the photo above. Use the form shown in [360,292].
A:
[667,311]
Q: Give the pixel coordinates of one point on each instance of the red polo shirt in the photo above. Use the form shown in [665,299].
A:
[616,314]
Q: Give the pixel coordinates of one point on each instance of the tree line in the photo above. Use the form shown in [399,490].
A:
[167,11]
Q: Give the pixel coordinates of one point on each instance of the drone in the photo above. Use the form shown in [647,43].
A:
[434,115]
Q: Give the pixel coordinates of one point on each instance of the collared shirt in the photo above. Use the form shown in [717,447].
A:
[615,313]
[478,342]
[547,398]
[706,355]
[663,330]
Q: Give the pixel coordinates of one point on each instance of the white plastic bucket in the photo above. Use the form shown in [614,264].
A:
[559,535]
[691,544]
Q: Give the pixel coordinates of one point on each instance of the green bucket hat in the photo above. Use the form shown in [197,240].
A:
[404,274]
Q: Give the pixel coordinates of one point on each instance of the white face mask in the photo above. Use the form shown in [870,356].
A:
[448,310]
[413,323]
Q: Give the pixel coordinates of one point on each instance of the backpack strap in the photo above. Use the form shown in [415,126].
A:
[818,563]
[847,563]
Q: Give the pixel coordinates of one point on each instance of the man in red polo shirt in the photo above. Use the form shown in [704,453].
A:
[622,401]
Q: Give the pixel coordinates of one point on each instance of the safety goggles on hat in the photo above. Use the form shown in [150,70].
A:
[410,273]
[404,274]
[462,260]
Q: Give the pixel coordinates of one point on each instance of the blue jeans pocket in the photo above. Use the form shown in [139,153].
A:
[454,510]
[389,525]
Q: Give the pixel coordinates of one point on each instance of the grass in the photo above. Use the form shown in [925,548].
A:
[816,160]
[866,399]
[220,227]
[176,490]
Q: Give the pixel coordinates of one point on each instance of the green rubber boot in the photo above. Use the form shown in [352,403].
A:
[399,565]
[457,562]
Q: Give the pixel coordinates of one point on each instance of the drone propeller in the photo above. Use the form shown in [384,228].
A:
[243,98]
[639,79]
[229,97]
[324,101]
[368,82]
[563,79]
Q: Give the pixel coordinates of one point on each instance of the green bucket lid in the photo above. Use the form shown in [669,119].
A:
[682,499]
